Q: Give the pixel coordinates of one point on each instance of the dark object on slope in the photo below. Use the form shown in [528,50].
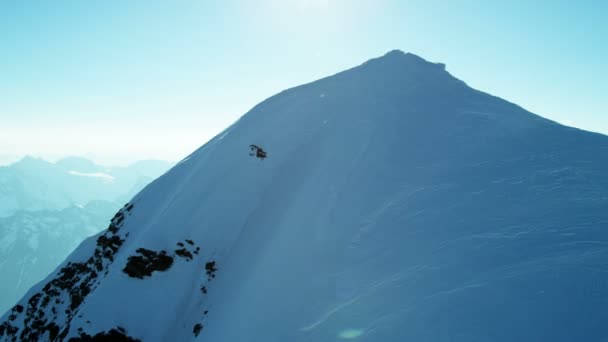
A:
[140,266]
[210,268]
[197,329]
[257,151]
[114,335]
[184,253]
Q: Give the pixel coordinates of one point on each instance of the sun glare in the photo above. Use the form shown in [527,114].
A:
[313,5]
[350,334]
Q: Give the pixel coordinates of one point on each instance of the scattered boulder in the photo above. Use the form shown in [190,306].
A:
[184,253]
[148,261]
[197,329]
[112,242]
[112,228]
[114,335]
[186,250]
[210,268]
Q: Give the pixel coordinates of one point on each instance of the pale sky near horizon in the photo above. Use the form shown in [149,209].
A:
[118,81]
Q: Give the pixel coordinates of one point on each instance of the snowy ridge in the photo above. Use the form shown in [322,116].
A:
[395,203]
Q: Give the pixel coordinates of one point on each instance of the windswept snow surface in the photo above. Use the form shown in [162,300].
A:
[395,204]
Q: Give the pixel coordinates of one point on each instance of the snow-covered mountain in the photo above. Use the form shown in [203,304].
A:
[394,203]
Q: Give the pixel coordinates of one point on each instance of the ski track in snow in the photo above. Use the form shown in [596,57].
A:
[329,313]
[455,290]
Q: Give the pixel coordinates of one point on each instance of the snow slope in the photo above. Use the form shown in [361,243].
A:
[395,204]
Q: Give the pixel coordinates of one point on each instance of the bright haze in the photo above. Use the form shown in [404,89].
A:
[119,81]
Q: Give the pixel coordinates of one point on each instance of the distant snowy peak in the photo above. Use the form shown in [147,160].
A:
[29,162]
[36,184]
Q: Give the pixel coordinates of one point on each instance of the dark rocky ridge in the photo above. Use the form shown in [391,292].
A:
[63,295]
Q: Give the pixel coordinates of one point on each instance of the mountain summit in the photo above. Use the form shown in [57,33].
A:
[391,202]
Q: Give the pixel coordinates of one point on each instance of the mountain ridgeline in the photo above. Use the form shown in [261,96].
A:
[35,184]
[393,203]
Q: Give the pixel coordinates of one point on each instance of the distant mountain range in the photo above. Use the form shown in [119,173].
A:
[36,184]
[47,209]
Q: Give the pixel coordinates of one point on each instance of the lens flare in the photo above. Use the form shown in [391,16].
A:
[349,334]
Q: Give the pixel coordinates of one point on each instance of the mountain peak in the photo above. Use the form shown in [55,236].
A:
[396,58]
[30,161]
[397,52]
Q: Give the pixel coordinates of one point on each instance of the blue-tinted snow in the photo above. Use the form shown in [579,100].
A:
[401,205]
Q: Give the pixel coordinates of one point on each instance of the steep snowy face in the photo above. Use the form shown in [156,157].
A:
[393,203]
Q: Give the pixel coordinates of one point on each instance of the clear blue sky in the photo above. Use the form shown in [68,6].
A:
[126,80]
